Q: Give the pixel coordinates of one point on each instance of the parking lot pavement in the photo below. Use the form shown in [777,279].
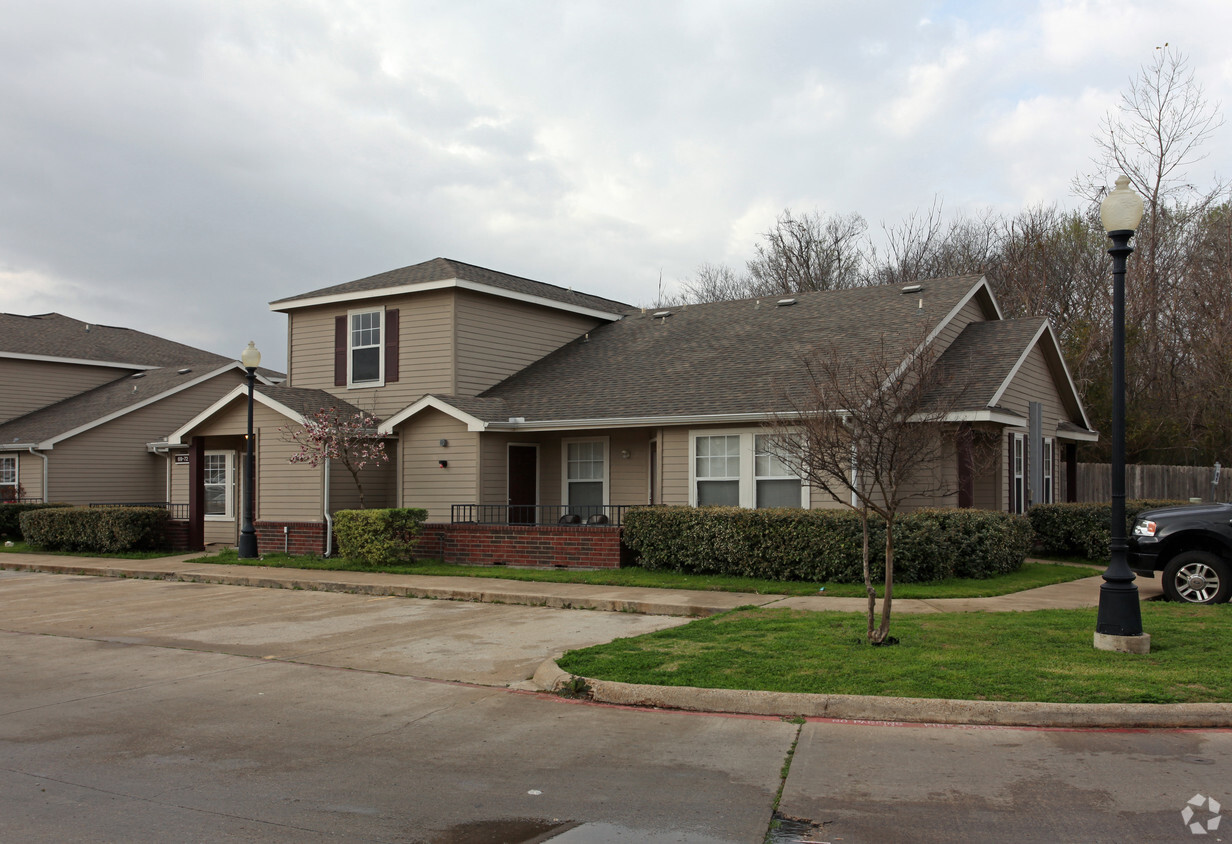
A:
[491,644]
[144,711]
[882,784]
[103,741]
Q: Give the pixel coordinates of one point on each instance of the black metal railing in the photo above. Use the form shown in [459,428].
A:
[178,512]
[539,514]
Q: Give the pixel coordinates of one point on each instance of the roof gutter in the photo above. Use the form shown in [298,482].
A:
[639,421]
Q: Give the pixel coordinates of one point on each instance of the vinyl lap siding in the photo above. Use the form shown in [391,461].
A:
[1032,382]
[110,463]
[426,353]
[30,384]
[285,491]
[379,481]
[424,483]
[498,337]
[970,312]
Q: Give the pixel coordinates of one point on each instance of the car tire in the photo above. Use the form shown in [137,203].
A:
[1197,577]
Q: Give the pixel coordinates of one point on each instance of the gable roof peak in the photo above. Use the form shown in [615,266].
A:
[445,272]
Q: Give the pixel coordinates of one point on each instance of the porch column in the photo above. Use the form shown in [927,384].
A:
[196,494]
[1071,471]
[966,465]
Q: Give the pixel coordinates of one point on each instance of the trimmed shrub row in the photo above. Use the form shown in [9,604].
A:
[96,529]
[826,545]
[10,518]
[1084,530]
[379,537]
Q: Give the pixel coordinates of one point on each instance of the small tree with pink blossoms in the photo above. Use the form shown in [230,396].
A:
[350,440]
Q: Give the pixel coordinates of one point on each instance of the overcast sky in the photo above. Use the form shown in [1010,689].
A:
[174,166]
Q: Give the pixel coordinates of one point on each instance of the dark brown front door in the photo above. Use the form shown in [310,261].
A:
[523,483]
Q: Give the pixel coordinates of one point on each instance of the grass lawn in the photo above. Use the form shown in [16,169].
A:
[25,548]
[1045,655]
[1030,576]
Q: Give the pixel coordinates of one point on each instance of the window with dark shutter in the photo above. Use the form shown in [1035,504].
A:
[340,351]
[391,345]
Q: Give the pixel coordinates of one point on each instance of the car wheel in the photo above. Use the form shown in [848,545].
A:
[1197,577]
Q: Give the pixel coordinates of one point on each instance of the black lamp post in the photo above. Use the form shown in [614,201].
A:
[251,358]
[1120,615]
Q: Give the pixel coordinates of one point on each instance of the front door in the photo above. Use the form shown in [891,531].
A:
[523,483]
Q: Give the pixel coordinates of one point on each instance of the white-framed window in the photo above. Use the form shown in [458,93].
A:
[1018,483]
[220,485]
[776,485]
[716,464]
[8,477]
[365,351]
[741,469]
[1046,494]
[585,474]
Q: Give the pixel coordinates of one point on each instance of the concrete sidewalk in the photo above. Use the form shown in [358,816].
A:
[682,602]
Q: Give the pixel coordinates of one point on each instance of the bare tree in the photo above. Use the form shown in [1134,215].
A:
[868,430]
[716,283]
[926,245]
[813,251]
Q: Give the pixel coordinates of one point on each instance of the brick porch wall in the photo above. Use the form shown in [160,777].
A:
[177,536]
[300,537]
[583,546]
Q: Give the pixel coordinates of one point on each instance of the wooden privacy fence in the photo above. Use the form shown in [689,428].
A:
[1180,482]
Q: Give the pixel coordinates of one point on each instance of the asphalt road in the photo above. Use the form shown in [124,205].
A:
[152,711]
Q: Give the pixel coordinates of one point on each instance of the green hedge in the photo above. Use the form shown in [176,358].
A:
[10,518]
[379,537]
[103,530]
[1084,530]
[826,545]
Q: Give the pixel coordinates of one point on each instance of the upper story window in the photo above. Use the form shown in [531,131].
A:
[366,347]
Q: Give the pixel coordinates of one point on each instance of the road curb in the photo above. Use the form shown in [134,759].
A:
[550,677]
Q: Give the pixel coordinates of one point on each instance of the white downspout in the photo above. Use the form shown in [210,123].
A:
[46,498]
[329,520]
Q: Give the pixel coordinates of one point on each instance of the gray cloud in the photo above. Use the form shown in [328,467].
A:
[174,167]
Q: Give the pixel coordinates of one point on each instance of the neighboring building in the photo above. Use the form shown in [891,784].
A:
[87,408]
[525,401]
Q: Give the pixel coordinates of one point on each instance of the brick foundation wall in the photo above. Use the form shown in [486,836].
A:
[582,546]
[300,537]
[177,536]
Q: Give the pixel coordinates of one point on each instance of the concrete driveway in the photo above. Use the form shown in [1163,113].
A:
[490,644]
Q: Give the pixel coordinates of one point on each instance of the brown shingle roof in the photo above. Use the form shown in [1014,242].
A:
[69,414]
[446,269]
[306,401]
[979,360]
[55,335]
[718,358]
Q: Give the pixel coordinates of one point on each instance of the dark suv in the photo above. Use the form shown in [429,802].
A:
[1191,545]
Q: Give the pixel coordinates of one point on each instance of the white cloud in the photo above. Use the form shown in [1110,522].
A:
[176,166]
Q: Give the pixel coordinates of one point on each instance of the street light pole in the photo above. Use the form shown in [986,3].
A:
[251,358]
[1119,622]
